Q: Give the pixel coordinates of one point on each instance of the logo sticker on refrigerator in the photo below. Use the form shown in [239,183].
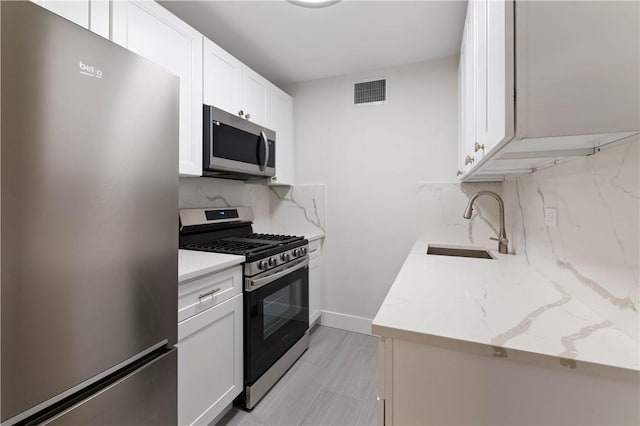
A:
[90,70]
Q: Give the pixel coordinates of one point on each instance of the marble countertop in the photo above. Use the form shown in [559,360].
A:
[193,263]
[314,236]
[502,303]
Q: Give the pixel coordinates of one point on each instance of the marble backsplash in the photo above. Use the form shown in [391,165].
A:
[593,252]
[440,209]
[211,192]
[297,210]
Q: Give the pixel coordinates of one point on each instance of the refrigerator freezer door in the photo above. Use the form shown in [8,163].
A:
[89,187]
[148,396]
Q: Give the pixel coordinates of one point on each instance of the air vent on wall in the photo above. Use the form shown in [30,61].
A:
[370,92]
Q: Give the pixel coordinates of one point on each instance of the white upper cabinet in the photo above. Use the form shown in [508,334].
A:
[255,96]
[90,14]
[546,89]
[237,89]
[222,78]
[468,94]
[280,119]
[233,87]
[149,30]
[496,119]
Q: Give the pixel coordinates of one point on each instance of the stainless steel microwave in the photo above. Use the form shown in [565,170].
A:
[236,148]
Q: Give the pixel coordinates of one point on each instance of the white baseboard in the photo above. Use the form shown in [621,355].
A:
[346,322]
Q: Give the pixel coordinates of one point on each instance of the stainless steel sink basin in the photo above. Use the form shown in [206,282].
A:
[447,250]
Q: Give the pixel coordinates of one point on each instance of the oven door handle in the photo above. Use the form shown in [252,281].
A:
[253,284]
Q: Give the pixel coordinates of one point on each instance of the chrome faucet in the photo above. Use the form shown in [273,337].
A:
[503,242]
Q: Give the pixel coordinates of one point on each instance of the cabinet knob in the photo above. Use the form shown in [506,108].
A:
[241,113]
[468,160]
[478,147]
[459,173]
[247,116]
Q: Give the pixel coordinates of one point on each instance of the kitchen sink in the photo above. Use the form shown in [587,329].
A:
[448,250]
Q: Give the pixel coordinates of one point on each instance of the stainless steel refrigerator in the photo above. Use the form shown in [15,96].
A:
[89,191]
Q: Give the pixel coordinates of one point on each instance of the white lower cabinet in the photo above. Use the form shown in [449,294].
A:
[210,355]
[449,382]
[315,280]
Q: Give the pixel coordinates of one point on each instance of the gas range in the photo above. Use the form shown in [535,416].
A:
[229,230]
[276,290]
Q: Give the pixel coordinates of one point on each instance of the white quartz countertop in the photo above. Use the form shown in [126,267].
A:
[312,236]
[192,263]
[502,303]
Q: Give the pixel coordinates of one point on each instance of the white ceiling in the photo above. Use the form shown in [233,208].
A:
[287,43]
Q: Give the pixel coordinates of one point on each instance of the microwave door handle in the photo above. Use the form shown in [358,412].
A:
[266,150]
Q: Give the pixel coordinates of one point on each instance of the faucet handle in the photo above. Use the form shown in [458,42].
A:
[503,244]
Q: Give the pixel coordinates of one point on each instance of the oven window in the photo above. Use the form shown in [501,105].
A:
[281,307]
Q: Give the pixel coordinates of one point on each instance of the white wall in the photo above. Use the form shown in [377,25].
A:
[371,158]
[594,252]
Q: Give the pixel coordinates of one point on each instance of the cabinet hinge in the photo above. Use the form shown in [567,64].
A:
[514,95]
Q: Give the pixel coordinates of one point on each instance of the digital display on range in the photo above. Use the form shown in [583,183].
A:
[221,214]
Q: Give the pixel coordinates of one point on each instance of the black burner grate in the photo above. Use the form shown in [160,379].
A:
[273,237]
[230,246]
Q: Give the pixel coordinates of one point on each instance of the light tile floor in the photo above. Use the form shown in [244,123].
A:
[333,383]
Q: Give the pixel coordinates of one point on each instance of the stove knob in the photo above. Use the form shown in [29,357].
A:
[296,252]
[285,257]
[303,251]
[262,265]
[272,261]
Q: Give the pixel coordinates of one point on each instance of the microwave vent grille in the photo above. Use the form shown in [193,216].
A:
[370,92]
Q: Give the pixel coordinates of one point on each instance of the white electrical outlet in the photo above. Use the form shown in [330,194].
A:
[551,217]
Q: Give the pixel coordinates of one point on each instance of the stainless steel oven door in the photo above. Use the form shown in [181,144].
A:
[276,316]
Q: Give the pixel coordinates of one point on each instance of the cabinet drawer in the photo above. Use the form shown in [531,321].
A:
[207,291]
[315,248]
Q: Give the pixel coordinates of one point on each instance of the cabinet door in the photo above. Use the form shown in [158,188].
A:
[462,108]
[468,75]
[255,96]
[209,362]
[99,17]
[75,11]
[315,280]
[149,30]
[90,14]
[222,78]
[479,37]
[280,119]
[495,71]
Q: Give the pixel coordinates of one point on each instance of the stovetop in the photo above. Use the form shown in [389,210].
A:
[252,246]
[229,230]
